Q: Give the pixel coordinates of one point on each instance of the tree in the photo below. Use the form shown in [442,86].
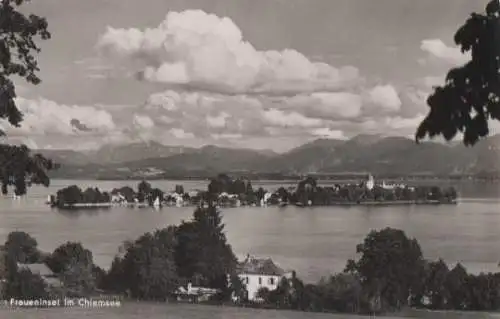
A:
[389,267]
[79,279]
[179,189]
[436,278]
[69,195]
[68,254]
[238,289]
[202,249]
[17,48]
[22,248]
[147,271]
[75,264]
[126,192]
[143,190]
[455,284]
[471,94]
[24,285]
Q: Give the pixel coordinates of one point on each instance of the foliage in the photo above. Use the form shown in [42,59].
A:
[154,194]
[389,268]
[143,190]
[79,279]
[125,191]
[18,33]
[22,248]
[238,289]
[75,265]
[68,254]
[471,94]
[179,189]
[202,251]
[72,195]
[147,270]
[23,285]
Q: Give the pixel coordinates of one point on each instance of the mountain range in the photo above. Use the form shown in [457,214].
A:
[363,153]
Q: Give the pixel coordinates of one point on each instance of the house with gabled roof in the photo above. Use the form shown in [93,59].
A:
[258,273]
[51,280]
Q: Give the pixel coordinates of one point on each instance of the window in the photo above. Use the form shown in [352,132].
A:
[246,280]
[260,280]
[271,281]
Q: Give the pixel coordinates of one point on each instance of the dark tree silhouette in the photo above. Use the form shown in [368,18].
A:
[471,94]
[21,247]
[390,266]
[17,49]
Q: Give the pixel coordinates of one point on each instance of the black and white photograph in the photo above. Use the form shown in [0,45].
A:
[237,159]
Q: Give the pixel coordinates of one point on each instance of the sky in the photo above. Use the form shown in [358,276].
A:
[270,74]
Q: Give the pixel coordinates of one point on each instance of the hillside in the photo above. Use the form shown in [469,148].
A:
[390,155]
[364,153]
[111,153]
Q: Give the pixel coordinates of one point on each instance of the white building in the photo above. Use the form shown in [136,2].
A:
[260,273]
[370,183]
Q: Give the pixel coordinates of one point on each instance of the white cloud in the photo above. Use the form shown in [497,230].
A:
[180,133]
[440,50]
[208,52]
[280,118]
[143,121]
[432,81]
[218,121]
[42,117]
[328,133]
[226,136]
[386,97]
[324,105]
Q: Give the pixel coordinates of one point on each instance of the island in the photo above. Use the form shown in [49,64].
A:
[224,191]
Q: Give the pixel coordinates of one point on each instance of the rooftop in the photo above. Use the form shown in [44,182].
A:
[260,266]
[40,269]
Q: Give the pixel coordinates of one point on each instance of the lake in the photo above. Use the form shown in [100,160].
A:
[313,241]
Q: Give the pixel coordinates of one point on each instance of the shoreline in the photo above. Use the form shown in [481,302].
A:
[334,204]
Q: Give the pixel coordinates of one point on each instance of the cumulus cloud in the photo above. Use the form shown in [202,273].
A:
[437,48]
[218,121]
[45,117]
[200,50]
[328,105]
[293,119]
[386,97]
[143,121]
[180,133]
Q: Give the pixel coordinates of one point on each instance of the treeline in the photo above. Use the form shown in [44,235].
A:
[389,275]
[73,195]
[150,268]
[308,192]
[224,191]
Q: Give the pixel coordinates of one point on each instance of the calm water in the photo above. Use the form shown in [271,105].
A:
[313,241]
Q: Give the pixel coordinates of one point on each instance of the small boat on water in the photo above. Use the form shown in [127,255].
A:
[156,203]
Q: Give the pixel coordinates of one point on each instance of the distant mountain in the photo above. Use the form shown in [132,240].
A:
[135,151]
[207,158]
[363,153]
[389,155]
[115,153]
[66,157]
